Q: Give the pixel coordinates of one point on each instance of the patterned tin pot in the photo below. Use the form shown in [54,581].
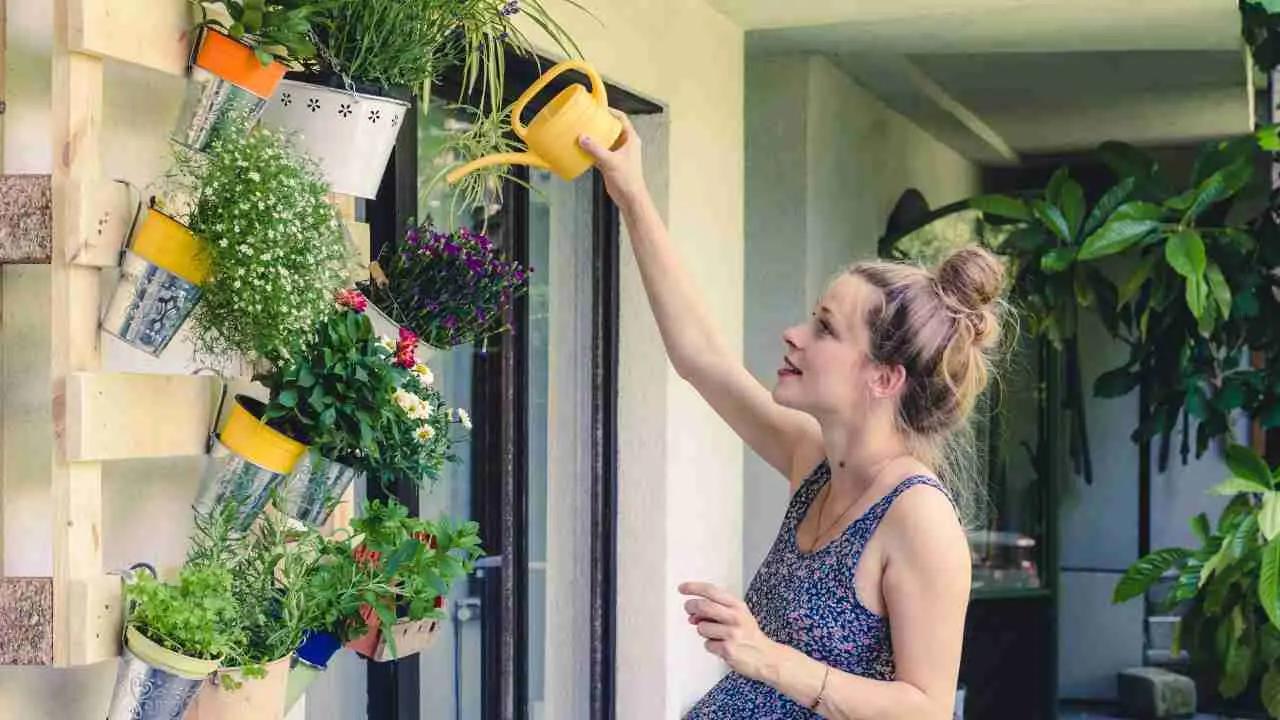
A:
[314,487]
[350,133]
[154,683]
[160,278]
[227,87]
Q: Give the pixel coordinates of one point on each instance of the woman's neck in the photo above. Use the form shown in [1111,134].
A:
[859,455]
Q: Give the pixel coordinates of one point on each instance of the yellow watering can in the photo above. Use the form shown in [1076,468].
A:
[552,136]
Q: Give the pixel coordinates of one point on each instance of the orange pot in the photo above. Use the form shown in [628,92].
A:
[235,62]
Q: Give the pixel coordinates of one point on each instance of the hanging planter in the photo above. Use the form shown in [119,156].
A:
[160,278]
[227,83]
[386,327]
[248,461]
[309,661]
[154,683]
[351,134]
[404,638]
[314,487]
[229,695]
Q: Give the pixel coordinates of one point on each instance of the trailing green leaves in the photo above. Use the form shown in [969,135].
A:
[1130,224]
[1143,574]
[1001,206]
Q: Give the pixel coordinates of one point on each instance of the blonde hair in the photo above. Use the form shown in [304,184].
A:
[944,328]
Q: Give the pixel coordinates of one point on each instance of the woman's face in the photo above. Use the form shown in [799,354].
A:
[827,371]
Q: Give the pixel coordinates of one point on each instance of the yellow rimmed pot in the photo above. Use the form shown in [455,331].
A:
[155,683]
[247,462]
[160,277]
[229,695]
[227,88]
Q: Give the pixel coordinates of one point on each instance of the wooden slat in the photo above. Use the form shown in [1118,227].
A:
[3,104]
[26,219]
[96,610]
[26,621]
[76,119]
[121,416]
[360,236]
[150,33]
[101,213]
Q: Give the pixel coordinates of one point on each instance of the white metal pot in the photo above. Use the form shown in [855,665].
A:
[351,134]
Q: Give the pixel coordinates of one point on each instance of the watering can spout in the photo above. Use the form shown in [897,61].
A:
[522,158]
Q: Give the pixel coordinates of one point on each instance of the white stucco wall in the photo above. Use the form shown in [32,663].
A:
[826,161]
[681,469]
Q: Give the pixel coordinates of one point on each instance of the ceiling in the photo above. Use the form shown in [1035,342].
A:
[996,79]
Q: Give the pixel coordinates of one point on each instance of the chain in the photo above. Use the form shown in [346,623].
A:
[332,62]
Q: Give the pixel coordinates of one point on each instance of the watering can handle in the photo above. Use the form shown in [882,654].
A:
[598,92]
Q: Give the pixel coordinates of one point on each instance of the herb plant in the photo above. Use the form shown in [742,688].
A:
[278,253]
[1228,589]
[277,30]
[449,287]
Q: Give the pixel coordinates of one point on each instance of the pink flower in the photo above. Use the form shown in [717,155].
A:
[405,349]
[353,300]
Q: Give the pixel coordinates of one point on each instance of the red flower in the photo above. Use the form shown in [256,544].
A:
[353,300]
[405,349]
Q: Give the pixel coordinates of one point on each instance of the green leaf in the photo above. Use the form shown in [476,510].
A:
[1219,289]
[1052,218]
[1053,191]
[1269,582]
[1200,527]
[1269,515]
[1245,463]
[1133,284]
[1116,383]
[1071,202]
[288,398]
[1057,259]
[1024,240]
[1001,206]
[1219,186]
[1129,224]
[1185,253]
[1144,573]
[1108,205]
[1238,666]
[1237,485]
[1271,687]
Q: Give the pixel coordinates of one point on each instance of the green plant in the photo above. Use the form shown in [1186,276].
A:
[1229,587]
[337,585]
[198,615]
[449,287]
[275,29]
[332,393]
[1197,294]
[278,253]
[1260,27]
[480,135]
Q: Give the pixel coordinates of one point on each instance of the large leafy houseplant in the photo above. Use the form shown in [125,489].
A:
[1228,589]
[449,287]
[1180,275]
[277,250]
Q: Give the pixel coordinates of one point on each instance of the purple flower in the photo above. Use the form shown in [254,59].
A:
[450,322]
[451,249]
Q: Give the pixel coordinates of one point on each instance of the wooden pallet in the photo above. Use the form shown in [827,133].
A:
[74,220]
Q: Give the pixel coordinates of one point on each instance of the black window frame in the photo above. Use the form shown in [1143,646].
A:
[499,441]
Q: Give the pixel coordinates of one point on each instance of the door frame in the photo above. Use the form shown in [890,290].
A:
[500,444]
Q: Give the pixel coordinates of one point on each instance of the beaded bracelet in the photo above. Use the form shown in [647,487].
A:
[826,673]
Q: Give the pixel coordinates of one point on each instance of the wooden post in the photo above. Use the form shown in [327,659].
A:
[73,302]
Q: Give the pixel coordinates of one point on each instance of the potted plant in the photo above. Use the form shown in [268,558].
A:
[161,273]
[1227,591]
[243,49]
[177,633]
[376,54]
[419,560]
[332,393]
[277,251]
[450,288]
[270,569]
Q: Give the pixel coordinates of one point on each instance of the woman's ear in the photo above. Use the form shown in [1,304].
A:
[888,381]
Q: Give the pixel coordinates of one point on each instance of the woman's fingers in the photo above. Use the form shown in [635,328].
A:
[714,631]
[711,592]
[708,610]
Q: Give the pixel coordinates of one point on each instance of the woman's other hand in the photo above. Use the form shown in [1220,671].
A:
[730,629]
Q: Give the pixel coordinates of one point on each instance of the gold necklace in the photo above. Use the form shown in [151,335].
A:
[822,510]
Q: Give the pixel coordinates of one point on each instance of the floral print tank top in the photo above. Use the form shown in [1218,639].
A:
[807,601]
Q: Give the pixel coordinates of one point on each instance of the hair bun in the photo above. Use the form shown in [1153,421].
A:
[972,277]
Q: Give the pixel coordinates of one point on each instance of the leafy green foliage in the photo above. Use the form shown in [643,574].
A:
[1188,291]
[277,30]
[1260,28]
[1228,589]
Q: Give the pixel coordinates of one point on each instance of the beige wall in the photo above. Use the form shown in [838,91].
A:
[681,469]
[826,161]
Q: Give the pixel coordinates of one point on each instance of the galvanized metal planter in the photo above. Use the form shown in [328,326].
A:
[144,692]
[230,478]
[149,305]
[212,105]
[315,487]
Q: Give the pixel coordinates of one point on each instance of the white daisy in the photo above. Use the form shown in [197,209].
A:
[464,418]
[425,433]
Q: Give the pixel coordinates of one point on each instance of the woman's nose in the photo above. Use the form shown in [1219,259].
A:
[790,337]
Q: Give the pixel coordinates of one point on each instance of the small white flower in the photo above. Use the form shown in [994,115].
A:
[424,374]
[387,343]
[464,418]
[422,411]
[406,400]
[425,433]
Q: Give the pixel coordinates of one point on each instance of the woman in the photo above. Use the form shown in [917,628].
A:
[868,393]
